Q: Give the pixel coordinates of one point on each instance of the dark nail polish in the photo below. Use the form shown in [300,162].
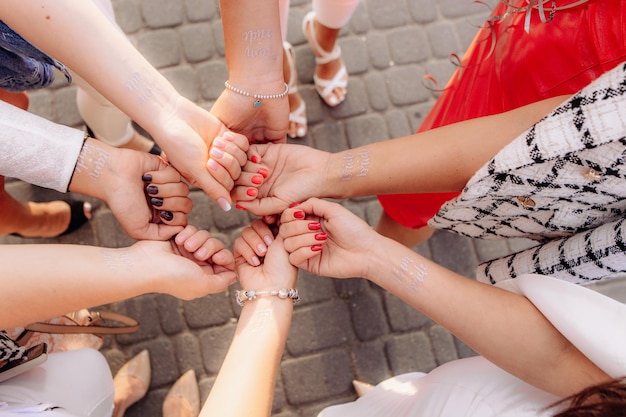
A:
[156,201]
[146,178]
[152,189]
[167,215]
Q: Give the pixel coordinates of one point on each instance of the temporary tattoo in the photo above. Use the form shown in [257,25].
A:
[136,84]
[255,39]
[410,274]
[260,319]
[92,159]
[117,260]
[355,166]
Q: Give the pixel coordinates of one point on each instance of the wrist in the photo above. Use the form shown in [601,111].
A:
[93,168]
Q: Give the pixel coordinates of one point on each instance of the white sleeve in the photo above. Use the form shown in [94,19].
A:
[37,150]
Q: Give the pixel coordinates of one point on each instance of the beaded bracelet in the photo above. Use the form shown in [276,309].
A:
[258,97]
[243,296]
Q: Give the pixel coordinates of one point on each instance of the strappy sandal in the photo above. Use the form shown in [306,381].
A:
[298,116]
[324,87]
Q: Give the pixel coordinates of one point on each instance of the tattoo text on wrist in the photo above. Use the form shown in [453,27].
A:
[355,166]
[255,40]
[117,260]
[92,160]
[260,320]
[410,274]
[136,84]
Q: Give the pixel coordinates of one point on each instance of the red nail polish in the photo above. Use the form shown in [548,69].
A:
[315,226]
[316,248]
[257,179]
[251,192]
[292,205]
[263,172]
[321,236]
[237,206]
[255,159]
[299,214]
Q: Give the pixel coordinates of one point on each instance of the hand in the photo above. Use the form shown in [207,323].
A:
[190,266]
[326,239]
[274,271]
[268,123]
[294,173]
[187,134]
[168,196]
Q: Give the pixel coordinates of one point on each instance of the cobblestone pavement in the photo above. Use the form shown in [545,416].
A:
[343,329]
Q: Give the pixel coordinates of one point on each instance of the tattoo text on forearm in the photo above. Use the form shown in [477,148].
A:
[117,260]
[355,165]
[410,274]
[92,160]
[260,320]
[255,40]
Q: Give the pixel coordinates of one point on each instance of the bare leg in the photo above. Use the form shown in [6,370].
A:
[408,237]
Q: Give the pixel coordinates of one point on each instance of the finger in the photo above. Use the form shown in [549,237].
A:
[299,257]
[219,172]
[170,189]
[292,214]
[153,231]
[264,231]
[230,148]
[263,206]
[225,259]
[185,234]
[244,193]
[254,240]
[163,176]
[172,218]
[250,179]
[173,204]
[242,143]
[244,254]
[310,240]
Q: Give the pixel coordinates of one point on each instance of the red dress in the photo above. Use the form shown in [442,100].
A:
[552,58]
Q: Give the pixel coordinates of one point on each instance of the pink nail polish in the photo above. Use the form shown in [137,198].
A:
[229,136]
[219,143]
[216,153]
[213,165]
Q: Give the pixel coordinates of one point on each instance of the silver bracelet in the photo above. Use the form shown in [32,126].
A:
[258,97]
[246,295]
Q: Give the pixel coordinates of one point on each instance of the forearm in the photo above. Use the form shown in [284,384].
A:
[245,384]
[502,326]
[438,160]
[81,37]
[44,281]
[253,43]
[93,168]
[36,150]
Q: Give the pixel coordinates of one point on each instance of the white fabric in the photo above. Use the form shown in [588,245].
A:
[334,14]
[36,150]
[474,387]
[79,382]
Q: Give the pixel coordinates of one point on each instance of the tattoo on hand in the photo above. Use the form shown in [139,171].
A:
[355,165]
[92,160]
[410,274]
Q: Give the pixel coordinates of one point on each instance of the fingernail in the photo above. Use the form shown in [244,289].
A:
[166,215]
[213,165]
[229,136]
[255,261]
[223,203]
[156,201]
[315,226]
[216,153]
[257,179]
[219,143]
[255,159]
[261,248]
[238,207]
[292,205]
[316,248]
[152,189]
[321,236]
[202,252]
[268,240]
[299,214]
[263,172]
[252,192]
[146,178]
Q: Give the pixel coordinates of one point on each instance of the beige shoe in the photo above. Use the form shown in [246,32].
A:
[131,382]
[361,388]
[183,399]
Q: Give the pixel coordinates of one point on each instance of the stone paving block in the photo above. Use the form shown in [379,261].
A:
[128,15]
[405,85]
[378,50]
[423,11]
[403,317]
[370,362]
[410,352]
[373,210]
[66,110]
[110,233]
[329,138]
[162,13]
[160,47]
[314,288]
[398,124]
[488,250]
[185,80]
[210,310]
[200,10]
[389,13]
[376,87]
[318,376]
[443,344]
[359,22]
[368,315]
[320,326]
[170,314]
[439,72]
[162,361]
[408,45]
[197,42]
[443,35]
[454,252]
[354,53]
[144,309]
[355,102]
[365,130]
[347,287]
[214,343]
[464,350]
[218,36]
[453,8]
[209,74]
[417,113]
[40,103]
[187,353]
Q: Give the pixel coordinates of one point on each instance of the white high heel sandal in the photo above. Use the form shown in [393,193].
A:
[297,116]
